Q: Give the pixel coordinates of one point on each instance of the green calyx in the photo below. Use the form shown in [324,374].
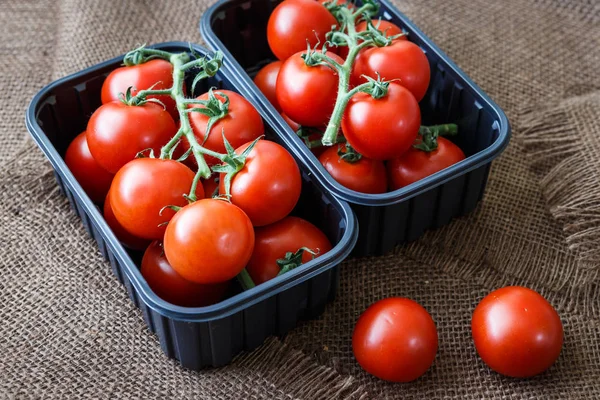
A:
[348,154]
[378,38]
[293,260]
[375,87]
[213,108]
[142,54]
[232,164]
[428,136]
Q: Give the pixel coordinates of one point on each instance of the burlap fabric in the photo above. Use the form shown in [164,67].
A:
[68,329]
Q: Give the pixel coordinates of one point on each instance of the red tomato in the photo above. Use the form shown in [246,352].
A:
[157,74]
[417,164]
[209,241]
[364,175]
[517,332]
[126,238]
[210,186]
[294,125]
[383,128]
[307,94]
[91,176]
[266,80]
[395,339]
[401,60]
[143,187]
[387,27]
[171,286]
[116,132]
[272,242]
[294,22]
[268,187]
[242,124]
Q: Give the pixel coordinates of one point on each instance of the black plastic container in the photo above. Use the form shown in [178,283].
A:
[201,336]
[238,28]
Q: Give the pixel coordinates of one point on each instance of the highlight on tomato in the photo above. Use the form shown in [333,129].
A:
[517,332]
[395,339]
[294,23]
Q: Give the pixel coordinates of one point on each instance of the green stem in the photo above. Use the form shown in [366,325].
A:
[440,130]
[245,280]
[344,71]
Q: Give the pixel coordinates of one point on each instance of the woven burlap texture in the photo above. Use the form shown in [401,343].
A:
[68,329]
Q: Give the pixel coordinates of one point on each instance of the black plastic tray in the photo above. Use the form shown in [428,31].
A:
[201,336]
[238,28]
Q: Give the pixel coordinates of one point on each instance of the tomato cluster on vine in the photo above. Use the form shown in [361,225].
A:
[190,181]
[357,87]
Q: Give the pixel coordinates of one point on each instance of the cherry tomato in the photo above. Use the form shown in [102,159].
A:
[364,175]
[401,60]
[209,241]
[272,242]
[94,179]
[144,187]
[211,186]
[116,132]
[517,332]
[387,27]
[157,74]
[172,287]
[266,80]
[293,23]
[242,124]
[126,238]
[395,339]
[307,94]
[417,164]
[383,128]
[268,187]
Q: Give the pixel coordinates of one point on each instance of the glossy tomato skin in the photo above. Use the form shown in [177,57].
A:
[387,27]
[143,187]
[126,238]
[517,332]
[94,179]
[209,241]
[294,22]
[273,241]
[416,164]
[385,128]
[268,187]
[266,80]
[116,132]
[157,74]
[365,175]
[293,124]
[172,287]
[401,60]
[395,339]
[242,124]
[307,94]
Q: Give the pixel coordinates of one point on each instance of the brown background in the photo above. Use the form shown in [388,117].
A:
[68,329]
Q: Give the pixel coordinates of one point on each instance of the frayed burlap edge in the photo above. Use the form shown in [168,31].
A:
[565,150]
